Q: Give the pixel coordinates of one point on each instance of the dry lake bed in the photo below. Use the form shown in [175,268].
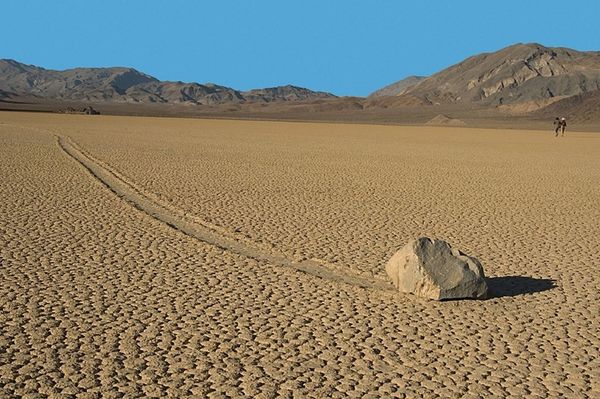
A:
[163,257]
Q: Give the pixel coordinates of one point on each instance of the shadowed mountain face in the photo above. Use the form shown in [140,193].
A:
[519,73]
[580,108]
[4,95]
[132,86]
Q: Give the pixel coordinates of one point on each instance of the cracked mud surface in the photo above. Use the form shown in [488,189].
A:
[195,227]
[101,299]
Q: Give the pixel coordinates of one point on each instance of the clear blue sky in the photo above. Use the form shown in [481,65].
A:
[346,47]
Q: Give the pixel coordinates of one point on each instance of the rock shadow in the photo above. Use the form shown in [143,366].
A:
[508,286]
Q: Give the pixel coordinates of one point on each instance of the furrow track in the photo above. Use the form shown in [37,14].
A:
[197,228]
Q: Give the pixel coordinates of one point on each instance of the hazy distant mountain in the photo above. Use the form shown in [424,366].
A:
[130,85]
[398,87]
[285,93]
[522,72]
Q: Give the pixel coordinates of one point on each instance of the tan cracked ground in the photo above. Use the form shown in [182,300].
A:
[100,299]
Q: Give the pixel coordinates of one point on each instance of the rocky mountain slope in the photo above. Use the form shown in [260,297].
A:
[131,86]
[516,74]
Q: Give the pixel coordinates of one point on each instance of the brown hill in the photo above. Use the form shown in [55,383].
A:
[519,73]
[131,86]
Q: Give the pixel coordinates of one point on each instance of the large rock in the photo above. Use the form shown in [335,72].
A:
[433,269]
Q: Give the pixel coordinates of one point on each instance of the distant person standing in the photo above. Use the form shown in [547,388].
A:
[557,124]
[563,125]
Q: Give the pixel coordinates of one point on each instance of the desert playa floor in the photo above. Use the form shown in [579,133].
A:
[156,257]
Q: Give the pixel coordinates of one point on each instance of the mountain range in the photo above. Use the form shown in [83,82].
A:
[130,86]
[523,79]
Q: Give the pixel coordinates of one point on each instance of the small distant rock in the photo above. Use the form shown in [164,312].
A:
[90,111]
[432,269]
[445,120]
